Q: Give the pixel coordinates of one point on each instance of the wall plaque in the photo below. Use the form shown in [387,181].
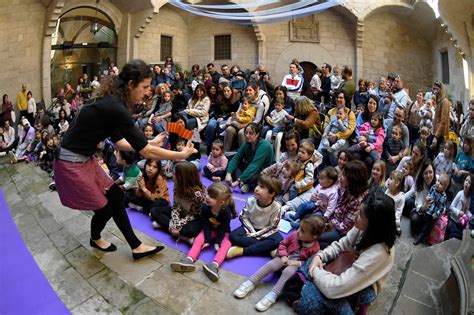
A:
[304,30]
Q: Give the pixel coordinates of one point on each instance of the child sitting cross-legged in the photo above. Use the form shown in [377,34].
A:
[285,172]
[217,162]
[292,253]
[131,172]
[323,199]
[152,190]
[260,218]
[437,203]
[216,214]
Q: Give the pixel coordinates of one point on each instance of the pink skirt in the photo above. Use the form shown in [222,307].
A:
[82,186]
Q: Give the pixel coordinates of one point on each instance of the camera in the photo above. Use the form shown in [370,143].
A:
[262,73]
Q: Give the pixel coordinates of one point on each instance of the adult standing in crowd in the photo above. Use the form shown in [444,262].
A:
[22,101]
[293,81]
[80,180]
[262,79]
[7,110]
[398,97]
[413,117]
[440,131]
[253,156]
[347,86]
[468,125]
[372,237]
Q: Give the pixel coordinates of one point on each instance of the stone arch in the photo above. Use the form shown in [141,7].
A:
[402,6]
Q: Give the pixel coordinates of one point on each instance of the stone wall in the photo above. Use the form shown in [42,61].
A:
[167,22]
[390,45]
[21,35]
[336,46]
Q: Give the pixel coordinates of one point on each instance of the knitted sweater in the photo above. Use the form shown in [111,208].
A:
[371,268]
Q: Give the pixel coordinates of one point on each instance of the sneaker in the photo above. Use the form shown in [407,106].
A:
[244,289]
[274,253]
[155,224]
[212,271]
[52,186]
[189,240]
[245,188]
[292,216]
[12,157]
[295,224]
[184,265]
[266,302]
[234,251]
[3,153]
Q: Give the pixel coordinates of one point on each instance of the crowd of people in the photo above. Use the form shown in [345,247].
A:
[343,163]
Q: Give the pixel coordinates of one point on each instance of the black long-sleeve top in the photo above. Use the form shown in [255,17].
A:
[221,223]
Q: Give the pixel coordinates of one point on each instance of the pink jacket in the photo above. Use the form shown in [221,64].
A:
[219,163]
[291,244]
[378,133]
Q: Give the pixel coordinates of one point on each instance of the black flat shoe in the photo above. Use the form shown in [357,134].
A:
[138,256]
[111,248]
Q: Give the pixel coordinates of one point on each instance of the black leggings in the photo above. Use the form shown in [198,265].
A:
[162,215]
[114,209]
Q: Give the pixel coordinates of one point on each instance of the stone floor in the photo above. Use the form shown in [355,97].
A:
[91,282]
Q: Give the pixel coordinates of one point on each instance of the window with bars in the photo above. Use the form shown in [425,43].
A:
[166,47]
[222,47]
[445,66]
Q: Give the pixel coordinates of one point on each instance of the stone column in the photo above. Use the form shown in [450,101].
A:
[262,49]
[359,62]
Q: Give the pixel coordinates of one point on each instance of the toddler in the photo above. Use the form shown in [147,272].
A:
[371,87]
[245,115]
[292,253]
[460,210]
[285,172]
[393,147]
[438,203]
[371,137]
[217,162]
[170,164]
[338,123]
[343,157]
[292,145]
[444,160]
[426,114]
[323,199]
[260,219]
[277,119]
[395,191]
[217,212]
[424,135]
[131,172]
[99,156]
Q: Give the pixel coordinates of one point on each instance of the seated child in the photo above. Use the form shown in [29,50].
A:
[245,115]
[304,179]
[460,211]
[377,177]
[323,199]
[393,147]
[395,191]
[277,119]
[183,219]
[47,156]
[260,219]
[152,190]
[444,160]
[371,137]
[131,172]
[438,199]
[170,164]
[162,116]
[292,254]
[99,156]
[426,114]
[216,163]
[338,123]
[286,173]
[217,212]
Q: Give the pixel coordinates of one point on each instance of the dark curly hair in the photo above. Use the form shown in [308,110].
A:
[357,176]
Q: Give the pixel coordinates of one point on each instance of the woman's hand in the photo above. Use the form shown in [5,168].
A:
[332,137]
[315,263]
[235,183]
[427,204]
[188,150]
[289,117]
[228,178]
[141,183]
[159,139]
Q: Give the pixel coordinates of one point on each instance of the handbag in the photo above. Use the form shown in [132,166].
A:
[342,262]
[190,122]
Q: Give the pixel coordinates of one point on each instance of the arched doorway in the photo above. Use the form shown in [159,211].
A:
[84,42]
[309,70]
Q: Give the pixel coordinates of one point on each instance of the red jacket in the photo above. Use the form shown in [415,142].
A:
[291,244]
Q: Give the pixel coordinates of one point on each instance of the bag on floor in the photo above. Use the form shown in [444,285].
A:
[438,231]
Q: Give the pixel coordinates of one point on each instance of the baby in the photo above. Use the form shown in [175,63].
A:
[339,122]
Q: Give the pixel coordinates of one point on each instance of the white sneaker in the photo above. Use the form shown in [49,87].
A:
[189,240]
[266,302]
[244,289]
[288,213]
[12,157]
[3,153]
[156,225]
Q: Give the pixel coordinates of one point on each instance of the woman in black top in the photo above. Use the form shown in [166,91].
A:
[80,181]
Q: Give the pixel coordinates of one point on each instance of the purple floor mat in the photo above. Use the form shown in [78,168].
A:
[245,266]
[23,287]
